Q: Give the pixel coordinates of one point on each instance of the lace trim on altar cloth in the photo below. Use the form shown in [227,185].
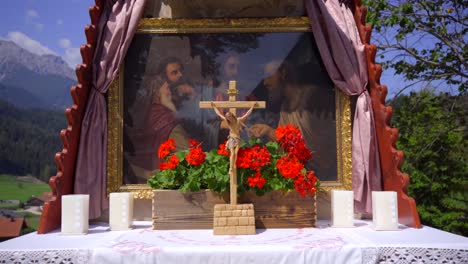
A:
[407,255]
[67,256]
[381,255]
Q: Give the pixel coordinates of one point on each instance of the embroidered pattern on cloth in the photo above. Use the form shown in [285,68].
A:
[67,256]
[403,255]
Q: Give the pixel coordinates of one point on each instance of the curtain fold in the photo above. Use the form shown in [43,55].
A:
[342,52]
[117,25]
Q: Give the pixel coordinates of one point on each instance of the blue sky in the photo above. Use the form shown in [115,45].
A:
[46,26]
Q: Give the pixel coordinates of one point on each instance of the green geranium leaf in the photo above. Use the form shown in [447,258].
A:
[277,184]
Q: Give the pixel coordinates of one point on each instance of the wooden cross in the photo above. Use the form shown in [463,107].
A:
[232,104]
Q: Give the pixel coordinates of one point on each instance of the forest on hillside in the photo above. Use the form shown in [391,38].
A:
[29,139]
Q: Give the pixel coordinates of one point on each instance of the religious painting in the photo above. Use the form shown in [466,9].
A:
[167,71]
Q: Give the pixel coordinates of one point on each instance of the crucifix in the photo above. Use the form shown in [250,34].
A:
[234,123]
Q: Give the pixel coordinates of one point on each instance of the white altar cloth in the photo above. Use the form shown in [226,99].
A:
[323,244]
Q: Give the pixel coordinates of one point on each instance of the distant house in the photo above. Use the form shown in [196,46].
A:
[10,202]
[46,196]
[34,201]
[39,200]
[11,224]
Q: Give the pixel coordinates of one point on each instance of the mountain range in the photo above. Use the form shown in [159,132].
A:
[29,80]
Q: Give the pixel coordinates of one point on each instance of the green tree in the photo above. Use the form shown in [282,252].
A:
[28,140]
[422,40]
[434,138]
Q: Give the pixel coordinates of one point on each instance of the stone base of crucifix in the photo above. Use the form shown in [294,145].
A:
[234,219]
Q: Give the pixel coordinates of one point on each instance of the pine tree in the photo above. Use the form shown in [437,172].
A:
[434,138]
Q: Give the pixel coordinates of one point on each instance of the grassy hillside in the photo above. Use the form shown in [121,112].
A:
[11,189]
[33,220]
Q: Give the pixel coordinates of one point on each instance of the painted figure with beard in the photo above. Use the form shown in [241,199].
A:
[168,89]
[230,66]
[308,105]
[217,130]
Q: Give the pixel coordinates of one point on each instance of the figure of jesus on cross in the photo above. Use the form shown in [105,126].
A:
[235,124]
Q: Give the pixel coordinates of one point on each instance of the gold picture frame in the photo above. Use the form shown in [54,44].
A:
[115,146]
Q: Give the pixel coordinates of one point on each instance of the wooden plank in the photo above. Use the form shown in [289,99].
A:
[235,104]
[175,210]
[276,210]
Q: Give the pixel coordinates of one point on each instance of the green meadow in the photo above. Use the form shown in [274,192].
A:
[33,220]
[11,189]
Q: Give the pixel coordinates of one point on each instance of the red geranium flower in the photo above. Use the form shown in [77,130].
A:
[222,150]
[291,140]
[253,158]
[306,184]
[262,167]
[173,160]
[289,167]
[170,164]
[259,157]
[244,158]
[166,148]
[194,143]
[300,151]
[256,180]
[283,132]
[195,157]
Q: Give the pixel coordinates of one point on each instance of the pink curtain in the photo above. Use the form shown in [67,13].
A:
[117,25]
[342,52]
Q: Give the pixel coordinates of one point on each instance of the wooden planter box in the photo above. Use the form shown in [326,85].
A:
[194,210]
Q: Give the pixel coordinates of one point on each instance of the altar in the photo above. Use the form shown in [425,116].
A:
[147,63]
[323,244]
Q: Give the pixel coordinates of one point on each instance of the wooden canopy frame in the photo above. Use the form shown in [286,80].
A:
[391,159]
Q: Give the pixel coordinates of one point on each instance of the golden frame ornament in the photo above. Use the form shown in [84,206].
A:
[243,25]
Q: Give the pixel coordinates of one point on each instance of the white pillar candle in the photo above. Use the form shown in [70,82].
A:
[342,208]
[75,212]
[121,211]
[385,210]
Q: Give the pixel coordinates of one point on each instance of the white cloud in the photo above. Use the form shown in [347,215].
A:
[65,43]
[72,56]
[32,14]
[32,18]
[59,22]
[28,43]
